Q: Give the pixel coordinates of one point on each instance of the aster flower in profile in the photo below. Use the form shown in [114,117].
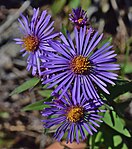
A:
[73,116]
[82,66]
[79,18]
[34,42]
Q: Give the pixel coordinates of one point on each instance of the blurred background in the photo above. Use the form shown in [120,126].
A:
[24,130]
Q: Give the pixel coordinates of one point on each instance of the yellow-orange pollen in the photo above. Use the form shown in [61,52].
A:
[80,20]
[75,114]
[30,43]
[80,64]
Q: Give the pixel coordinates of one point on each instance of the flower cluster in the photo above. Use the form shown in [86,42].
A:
[76,68]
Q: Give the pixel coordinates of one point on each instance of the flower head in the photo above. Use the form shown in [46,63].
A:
[82,66]
[79,17]
[73,116]
[34,42]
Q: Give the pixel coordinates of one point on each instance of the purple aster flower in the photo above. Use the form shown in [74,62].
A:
[73,116]
[36,33]
[82,66]
[79,17]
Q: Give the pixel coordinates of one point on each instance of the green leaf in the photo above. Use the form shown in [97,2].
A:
[25,86]
[108,138]
[39,105]
[121,87]
[109,39]
[4,115]
[85,4]
[96,137]
[74,3]
[128,68]
[64,29]
[45,93]
[57,6]
[117,140]
[119,124]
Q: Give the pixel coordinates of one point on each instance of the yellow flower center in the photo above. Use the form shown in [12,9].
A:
[80,20]
[30,43]
[80,64]
[75,114]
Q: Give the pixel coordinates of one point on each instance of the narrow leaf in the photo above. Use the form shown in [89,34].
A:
[39,105]
[25,86]
[109,39]
[45,93]
[64,29]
